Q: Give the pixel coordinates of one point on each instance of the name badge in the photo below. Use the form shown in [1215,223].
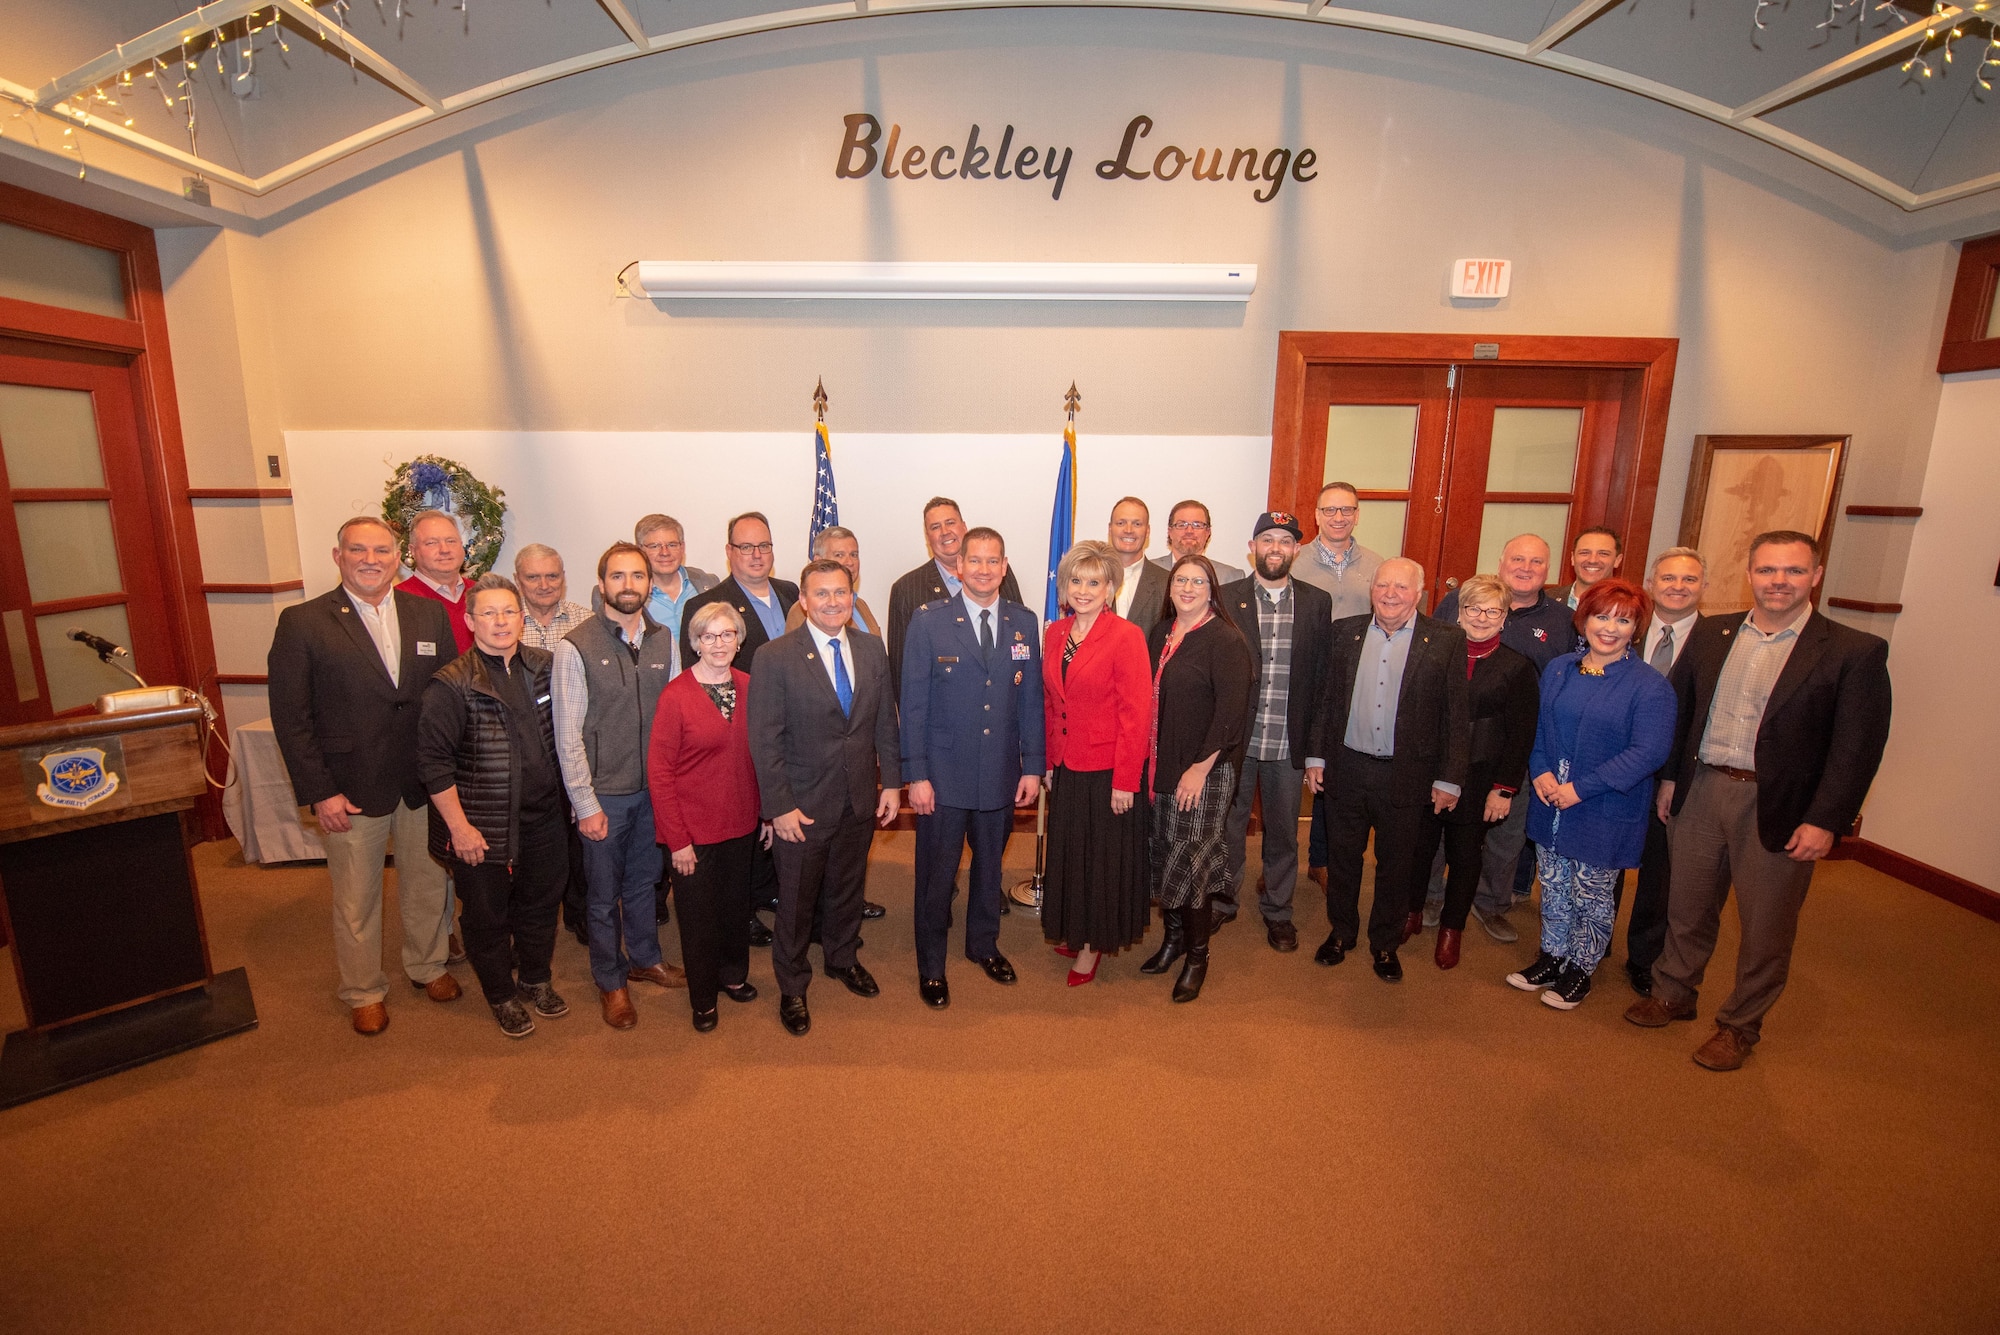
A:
[541,699]
[944,658]
[427,649]
[1020,653]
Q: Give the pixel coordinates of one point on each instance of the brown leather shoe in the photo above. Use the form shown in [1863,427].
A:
[371,1019]
[1724,1051]
[1413,924]
[1317,875]
[619,1012]
[1446,953]
[1653,1013]
[442,988]
[660,975]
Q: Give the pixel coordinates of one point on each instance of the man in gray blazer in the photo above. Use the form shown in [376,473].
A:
[824,738]
[1143,591]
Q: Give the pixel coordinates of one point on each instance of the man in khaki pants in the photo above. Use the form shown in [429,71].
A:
[347,670]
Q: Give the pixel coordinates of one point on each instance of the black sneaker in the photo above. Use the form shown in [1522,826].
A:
[515,1022]
[1542,973]
[548,1003]
[1569,990]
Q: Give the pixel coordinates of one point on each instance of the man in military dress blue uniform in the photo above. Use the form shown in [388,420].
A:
[973,750]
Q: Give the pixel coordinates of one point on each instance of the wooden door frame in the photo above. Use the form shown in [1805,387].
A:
[140,343]
[1633,467]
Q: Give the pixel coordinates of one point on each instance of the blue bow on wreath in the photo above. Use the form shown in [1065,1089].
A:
[432,484]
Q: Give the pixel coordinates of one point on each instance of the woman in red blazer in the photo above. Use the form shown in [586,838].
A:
[705,808]
[1097,689]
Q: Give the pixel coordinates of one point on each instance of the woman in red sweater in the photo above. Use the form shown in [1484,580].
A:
[1097,689]
[705,808]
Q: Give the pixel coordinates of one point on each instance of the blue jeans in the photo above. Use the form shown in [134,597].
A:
[620,871]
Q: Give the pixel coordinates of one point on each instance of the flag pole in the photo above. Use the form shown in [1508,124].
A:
[1028,893]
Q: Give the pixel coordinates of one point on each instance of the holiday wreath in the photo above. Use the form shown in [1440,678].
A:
[428,482]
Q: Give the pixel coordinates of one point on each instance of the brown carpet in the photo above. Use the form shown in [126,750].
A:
[1301,1149]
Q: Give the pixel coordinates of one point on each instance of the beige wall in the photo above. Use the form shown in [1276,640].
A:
[463,280]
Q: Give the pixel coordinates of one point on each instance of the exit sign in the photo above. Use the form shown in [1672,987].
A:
[1481,278]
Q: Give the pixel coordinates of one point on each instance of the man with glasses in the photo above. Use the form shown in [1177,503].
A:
[1189,527]
[763,603]
[664,542]
[1333,560]
[944,535]
[550,615]
[1538,628]
[607,678]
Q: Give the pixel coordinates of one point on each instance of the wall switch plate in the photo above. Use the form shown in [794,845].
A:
[271,462]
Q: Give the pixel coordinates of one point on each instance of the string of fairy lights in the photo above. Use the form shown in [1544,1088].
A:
[1944,28]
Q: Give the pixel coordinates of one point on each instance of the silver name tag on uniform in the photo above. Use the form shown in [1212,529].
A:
[541,699]
[427,649]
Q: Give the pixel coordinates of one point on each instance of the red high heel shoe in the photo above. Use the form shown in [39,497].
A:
[1079,979]
[1066,952]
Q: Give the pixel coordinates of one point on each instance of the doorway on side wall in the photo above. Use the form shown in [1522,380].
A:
[1457,444]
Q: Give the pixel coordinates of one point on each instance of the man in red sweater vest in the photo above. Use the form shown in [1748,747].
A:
[438,554]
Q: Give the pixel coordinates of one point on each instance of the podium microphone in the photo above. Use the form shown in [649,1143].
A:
[104,648]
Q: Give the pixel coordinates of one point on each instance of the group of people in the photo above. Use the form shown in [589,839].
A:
[734,743]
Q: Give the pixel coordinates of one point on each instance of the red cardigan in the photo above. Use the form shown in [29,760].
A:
[1101,717]
[698,767]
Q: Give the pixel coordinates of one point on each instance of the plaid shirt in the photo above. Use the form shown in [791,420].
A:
[1269,731]
[568,617]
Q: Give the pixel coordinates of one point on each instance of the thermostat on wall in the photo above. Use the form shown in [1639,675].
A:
[1486,279]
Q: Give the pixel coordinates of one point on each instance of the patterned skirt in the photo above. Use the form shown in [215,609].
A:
[1190,856]
[1094,874]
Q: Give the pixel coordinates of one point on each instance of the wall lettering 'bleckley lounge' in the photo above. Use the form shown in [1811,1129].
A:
[865,152]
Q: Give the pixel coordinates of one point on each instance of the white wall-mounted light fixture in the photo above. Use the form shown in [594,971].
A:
[909,280]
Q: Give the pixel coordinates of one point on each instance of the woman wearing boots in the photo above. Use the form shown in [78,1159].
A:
[1202,679]
[1606,725]
[1504,701]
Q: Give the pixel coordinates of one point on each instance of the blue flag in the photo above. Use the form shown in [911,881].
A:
[1062,523]
[826,506]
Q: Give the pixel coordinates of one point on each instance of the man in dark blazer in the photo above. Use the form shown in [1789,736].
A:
[1680,577]
[1393,726]
[944,535]
[1783,717]
[1284,711]
[973,750]
[1142,593]
[760,600]
[823,737]
[347,672]
[763,603]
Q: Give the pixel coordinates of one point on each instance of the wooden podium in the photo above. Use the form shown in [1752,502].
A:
[98,892]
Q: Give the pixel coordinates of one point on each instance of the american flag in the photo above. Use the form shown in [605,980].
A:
[826,506]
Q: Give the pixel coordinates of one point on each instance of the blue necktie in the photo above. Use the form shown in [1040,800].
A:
[842,686]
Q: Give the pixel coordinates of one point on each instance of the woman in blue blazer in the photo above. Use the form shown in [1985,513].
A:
[1606,726]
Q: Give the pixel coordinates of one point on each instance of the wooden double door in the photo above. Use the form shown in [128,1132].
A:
[1455,448]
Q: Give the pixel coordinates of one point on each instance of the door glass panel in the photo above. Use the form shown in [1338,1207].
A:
[76,677]
[1993,321]
[1534,449]
[56,271]
[50,437]
[1371,445]
[68,549]
[1505,520]
[20,654]
[1380,528]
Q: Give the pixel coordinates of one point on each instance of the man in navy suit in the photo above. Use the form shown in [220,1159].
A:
[972,752]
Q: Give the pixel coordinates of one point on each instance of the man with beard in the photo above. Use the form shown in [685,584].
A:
[606,679]
[1289,627]
[1189,528]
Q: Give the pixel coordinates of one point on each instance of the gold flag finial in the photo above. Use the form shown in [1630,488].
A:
[819,400]
[1072,400]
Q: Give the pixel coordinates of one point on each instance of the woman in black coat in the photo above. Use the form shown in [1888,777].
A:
[1505,699]
[1202,678]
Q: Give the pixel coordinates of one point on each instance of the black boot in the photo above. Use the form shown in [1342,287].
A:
[1173,947]
[1195,971]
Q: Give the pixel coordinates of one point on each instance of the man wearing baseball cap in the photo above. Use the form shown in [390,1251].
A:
[1289,626]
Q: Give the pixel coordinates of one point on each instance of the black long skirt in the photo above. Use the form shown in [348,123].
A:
[1095,885]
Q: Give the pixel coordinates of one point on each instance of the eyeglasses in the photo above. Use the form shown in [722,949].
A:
[1188,525]
[498,614]
[1340,511]
[1483,613]
[659,546]
[716,636]
[751,548]
[1190,582]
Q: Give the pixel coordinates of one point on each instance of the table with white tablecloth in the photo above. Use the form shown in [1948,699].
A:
[263,812]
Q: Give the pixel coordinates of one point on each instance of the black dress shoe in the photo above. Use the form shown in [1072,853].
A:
[870,909]
[1220,915]
[792,1011]
[1641,979]
[1004,910]
[661,914]
[935,992]
[997,968]
[740,991]
[1282,935]
[1387,967]
[1331,951]
[856,980]
[581,933]
[760,935]
[704,1020]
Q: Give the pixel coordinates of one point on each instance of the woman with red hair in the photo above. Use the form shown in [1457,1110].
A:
[1606,725]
